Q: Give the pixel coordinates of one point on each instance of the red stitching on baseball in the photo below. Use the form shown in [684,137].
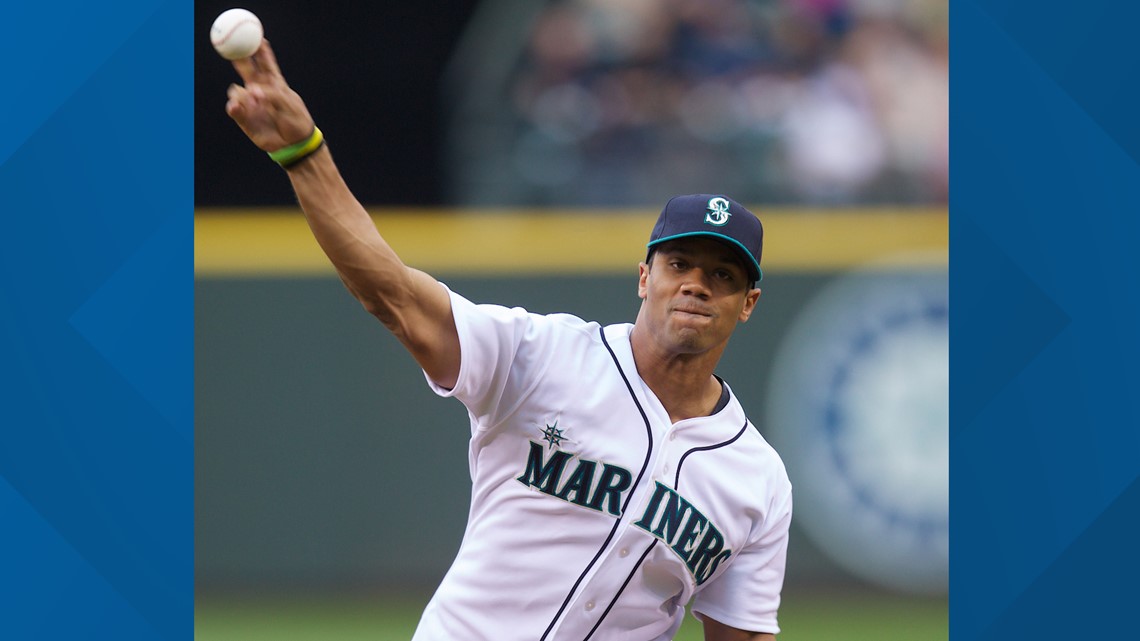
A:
[229,33]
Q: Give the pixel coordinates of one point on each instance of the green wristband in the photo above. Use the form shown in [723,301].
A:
[294,153]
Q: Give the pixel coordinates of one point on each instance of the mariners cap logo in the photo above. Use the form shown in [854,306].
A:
[717,211]
[708,215]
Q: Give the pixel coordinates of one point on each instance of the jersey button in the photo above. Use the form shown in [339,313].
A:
[624,552]
[589,605]
[673,436]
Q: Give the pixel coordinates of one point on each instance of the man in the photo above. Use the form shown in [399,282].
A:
[616,478]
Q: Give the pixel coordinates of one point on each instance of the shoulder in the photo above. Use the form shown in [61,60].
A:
[766,473]
[570,323]
[769,463]
[563,329]
[528,321]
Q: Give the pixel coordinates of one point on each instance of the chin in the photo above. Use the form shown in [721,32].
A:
[689,340]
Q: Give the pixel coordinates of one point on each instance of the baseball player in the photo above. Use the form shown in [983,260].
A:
[616,479]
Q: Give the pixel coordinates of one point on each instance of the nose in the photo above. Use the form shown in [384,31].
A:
[697,284]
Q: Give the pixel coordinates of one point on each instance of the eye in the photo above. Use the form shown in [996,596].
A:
[723,274]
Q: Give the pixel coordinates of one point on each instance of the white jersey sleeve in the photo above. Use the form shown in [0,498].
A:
[504,352]
[747,595]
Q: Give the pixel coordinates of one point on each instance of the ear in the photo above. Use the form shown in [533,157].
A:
[642,280]
[750,300]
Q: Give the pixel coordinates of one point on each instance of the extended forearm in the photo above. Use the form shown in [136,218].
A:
[365,262]
[409,302]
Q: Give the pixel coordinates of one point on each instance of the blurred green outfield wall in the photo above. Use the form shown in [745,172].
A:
[322,459]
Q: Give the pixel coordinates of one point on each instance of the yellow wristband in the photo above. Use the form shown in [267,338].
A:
[294,153]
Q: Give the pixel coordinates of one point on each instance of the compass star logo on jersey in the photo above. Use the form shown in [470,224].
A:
[554,436]
[717,211]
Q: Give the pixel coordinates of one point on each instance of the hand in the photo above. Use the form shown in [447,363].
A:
[270,113]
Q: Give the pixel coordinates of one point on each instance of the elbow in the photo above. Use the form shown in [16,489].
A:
[372,305]
[383,311]
[385,303]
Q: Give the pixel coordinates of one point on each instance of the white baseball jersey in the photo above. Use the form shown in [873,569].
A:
[593,516]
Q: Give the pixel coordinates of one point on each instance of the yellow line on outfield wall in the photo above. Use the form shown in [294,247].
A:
[277,242]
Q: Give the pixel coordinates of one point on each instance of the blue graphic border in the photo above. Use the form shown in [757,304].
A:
[1044,441]
[96,321]
[96,456]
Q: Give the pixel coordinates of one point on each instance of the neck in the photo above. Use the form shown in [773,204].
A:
[684,383]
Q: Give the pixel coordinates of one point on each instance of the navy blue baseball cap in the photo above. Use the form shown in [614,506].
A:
[717,217]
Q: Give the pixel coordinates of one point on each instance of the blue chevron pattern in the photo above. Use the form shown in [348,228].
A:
[96,467]
[1044,445]
[96,321]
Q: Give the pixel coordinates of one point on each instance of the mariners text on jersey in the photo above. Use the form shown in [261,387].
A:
[668,516]
[546,476]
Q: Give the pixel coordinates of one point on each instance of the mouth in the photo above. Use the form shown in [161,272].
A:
[692,311]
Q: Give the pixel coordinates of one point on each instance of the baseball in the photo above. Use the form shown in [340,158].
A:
[236,34]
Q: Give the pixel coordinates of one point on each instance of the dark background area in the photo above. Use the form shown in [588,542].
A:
[370,74]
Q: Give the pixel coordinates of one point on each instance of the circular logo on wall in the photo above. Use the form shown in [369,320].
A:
[858,407]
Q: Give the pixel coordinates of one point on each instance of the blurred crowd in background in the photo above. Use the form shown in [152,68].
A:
[622,102]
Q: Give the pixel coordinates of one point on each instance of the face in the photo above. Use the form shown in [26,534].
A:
[695,292]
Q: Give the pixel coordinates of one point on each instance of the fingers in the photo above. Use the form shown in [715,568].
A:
[263,105]
[234,100]
[267,60]
[246,69]
[241,100]
[260,67]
